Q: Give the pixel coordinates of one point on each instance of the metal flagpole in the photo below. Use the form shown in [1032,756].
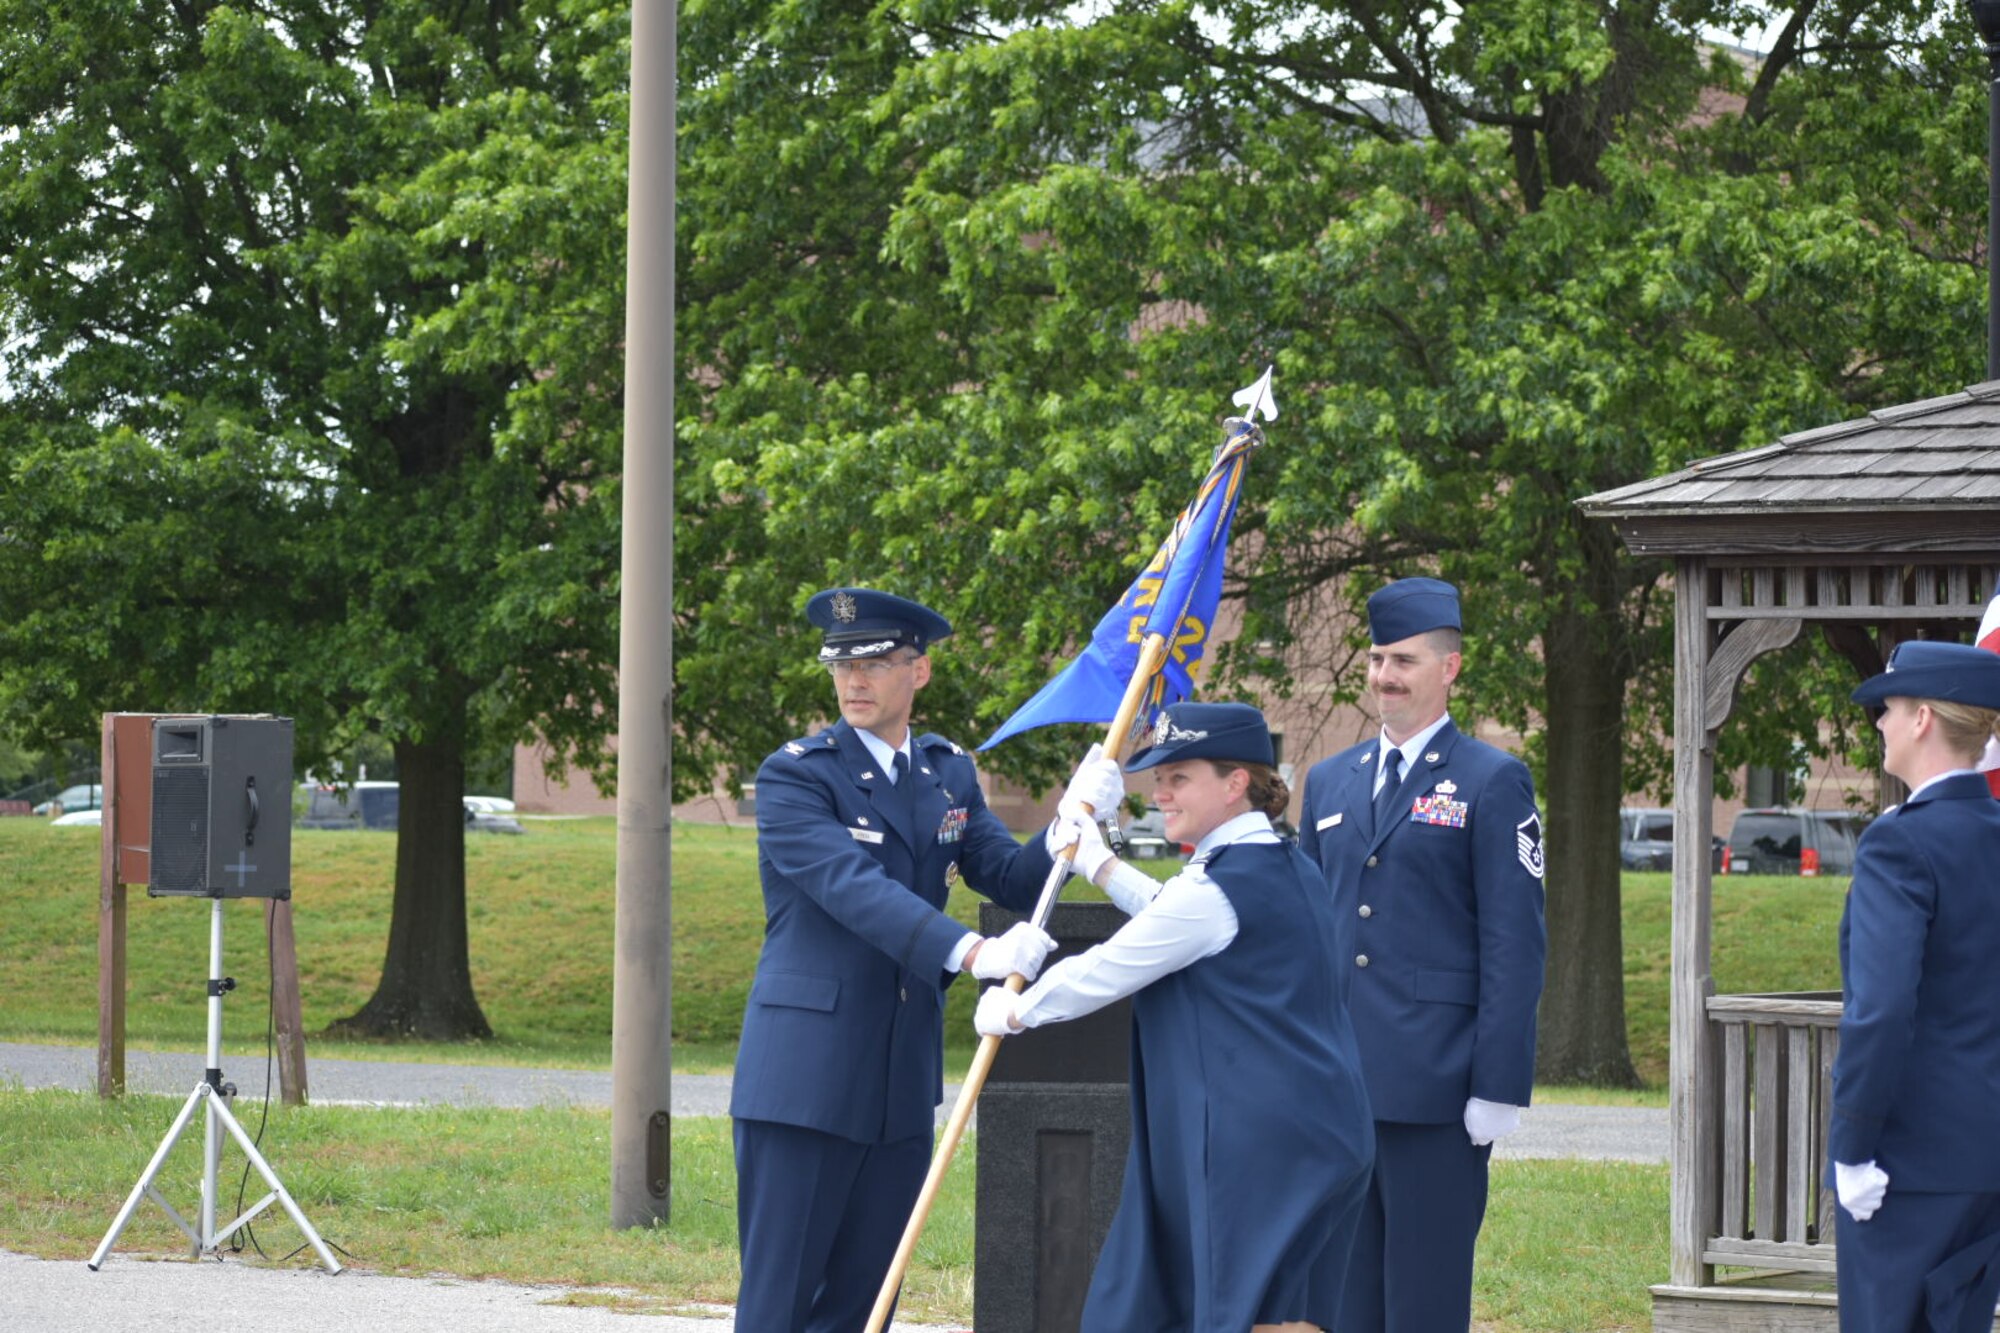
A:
[1152,658]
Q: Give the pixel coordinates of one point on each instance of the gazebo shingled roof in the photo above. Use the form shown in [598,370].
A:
[1876,530]
[1910,477]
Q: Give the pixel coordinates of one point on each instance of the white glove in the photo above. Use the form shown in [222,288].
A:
[1860,1188]
[995,1014]
[1021,949]
[1486,1121]
[1072,827]
[1097,783]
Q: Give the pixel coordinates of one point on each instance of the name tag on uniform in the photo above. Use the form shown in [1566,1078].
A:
[1440,810]
[1331,821]
[865,835]
[952,827]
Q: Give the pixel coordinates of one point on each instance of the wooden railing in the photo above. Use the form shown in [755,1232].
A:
[1775,1061]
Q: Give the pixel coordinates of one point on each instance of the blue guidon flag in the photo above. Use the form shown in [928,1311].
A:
[1175,596]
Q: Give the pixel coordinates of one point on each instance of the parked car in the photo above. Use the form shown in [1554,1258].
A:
[1646,842]
[377,805]
[79,819]
[485,819]
[83,796]
[1146,838]
[370,805]
[1794,842]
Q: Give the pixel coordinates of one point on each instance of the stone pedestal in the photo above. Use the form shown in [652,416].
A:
[1054,1124]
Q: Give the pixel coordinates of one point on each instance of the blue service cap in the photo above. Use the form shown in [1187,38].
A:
[860,622]
[1231,732]
[1955,672]
[1409,607]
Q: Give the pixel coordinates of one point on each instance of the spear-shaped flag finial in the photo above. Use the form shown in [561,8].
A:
[1258,398]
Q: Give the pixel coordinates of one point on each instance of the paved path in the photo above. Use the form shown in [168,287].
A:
[1617,1133]
[139,1295]
[132,1294]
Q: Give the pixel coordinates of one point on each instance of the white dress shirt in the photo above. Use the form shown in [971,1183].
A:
[1182,921]
[1411,748]
[885,753]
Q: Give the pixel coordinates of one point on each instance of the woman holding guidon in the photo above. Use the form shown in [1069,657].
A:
[1251,1134]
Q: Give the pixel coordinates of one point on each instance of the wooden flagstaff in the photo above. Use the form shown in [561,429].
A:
[1152,656]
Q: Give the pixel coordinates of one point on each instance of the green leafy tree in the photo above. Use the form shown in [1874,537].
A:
[963,286]
[310,404]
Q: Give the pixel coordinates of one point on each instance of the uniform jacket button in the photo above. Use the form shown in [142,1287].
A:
[1361,960]
[1372,860]
[1366,910]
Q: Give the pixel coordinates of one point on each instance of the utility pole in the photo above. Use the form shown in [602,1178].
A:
[642,975]
[1986,14]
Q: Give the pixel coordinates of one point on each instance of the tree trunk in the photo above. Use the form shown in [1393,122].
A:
[1582,1022]
[426,986]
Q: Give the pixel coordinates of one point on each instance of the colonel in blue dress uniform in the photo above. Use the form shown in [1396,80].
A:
[1431,847]
[1251,1137]
[861,830]
[1914,1144]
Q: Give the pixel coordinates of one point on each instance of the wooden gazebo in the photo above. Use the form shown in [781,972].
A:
[1875,530]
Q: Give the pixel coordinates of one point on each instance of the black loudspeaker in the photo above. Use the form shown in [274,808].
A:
[222,808]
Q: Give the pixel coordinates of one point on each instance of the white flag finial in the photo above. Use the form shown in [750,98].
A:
[1257,398]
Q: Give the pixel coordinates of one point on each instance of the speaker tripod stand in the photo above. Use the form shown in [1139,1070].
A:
[210,1092]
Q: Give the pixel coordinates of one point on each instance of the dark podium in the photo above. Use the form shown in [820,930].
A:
[1054,1123]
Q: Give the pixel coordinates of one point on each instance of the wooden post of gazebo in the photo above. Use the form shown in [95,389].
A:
[1874,531]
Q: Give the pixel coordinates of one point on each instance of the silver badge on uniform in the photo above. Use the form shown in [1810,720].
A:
[843,608]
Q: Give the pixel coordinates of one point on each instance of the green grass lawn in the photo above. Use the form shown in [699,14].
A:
[1568,1245]
[524,1196]
[540,910]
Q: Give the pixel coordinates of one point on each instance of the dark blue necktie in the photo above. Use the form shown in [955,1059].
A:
[906,790]
[1385,800]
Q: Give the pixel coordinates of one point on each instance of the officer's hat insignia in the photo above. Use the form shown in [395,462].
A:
[1169,731]
[843,608]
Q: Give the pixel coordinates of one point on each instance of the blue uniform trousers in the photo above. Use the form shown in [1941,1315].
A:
[1411,1270]
[809,1204]
[1896,1271]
